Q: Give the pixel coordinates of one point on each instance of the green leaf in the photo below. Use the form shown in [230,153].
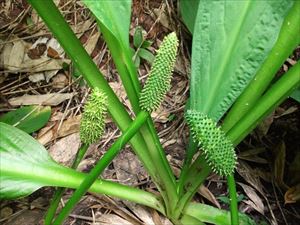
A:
[188,9]
[22,160]
[137,61]
[28,118]
[147,44]
[145,54]
[138,37]
[227,52]
[114,15]
[296,95]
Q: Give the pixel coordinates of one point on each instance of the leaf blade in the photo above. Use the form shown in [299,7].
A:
[28,118]
[240,46]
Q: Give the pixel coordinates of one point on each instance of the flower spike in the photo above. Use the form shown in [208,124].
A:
[217,148]
[158,82]
[93,119]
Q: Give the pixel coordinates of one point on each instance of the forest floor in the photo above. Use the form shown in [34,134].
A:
[268,172]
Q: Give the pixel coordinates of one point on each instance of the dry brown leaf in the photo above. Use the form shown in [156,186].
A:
[91,43]
[50,133]
[64,150]
[46,99]
[128,168]
[283,112]
[263,128]
[59,81]
[294,169]
[252,155]
[109,219]
[16,56]
[255,201]
[292,195]
[279,165]
[250,176]
[4,55]
[206,193]
[164,19]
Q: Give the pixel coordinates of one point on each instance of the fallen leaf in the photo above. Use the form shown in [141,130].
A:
[59,81]
[251,176]
[252,155]
[292,195]
[128,168]
[64,150]
[16,56]
[206,193]
[109,219]
[46,99]
[50,133]
[255,201]
[91,43]
[37,52]
[279,165]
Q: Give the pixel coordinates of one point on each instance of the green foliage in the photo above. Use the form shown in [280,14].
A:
[188,9]
[22,160]
[296,95]
[218,149]
[158,82]
[115,17]
[93,119]
[141,46]
[227,52]
[28,118]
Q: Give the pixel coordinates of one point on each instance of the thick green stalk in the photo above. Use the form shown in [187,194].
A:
[101,165]
[191,150]
[68,40]
[234,212]
[266,104]
[55,175]
[119,55]
[129,76]
[199,171]
[190,220]
[60,191]
[288,39]
[212,215]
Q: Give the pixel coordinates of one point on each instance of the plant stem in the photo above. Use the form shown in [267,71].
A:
[234,212]
[266,104]
[101,165]
[212,215]
[68,40]
[199,171]
[165,178]
[129,80]
[191,150]
[288,39]
[59,192]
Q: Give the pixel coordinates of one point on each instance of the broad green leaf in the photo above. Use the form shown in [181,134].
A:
[231,41]
[114,15]
[22,161]
[145,54]
[138,37]
[28,118]
[188,9]
[296,95]
[26,166]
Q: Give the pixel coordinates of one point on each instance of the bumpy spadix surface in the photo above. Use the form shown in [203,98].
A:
[93,119]
[218,149]
[158,82]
